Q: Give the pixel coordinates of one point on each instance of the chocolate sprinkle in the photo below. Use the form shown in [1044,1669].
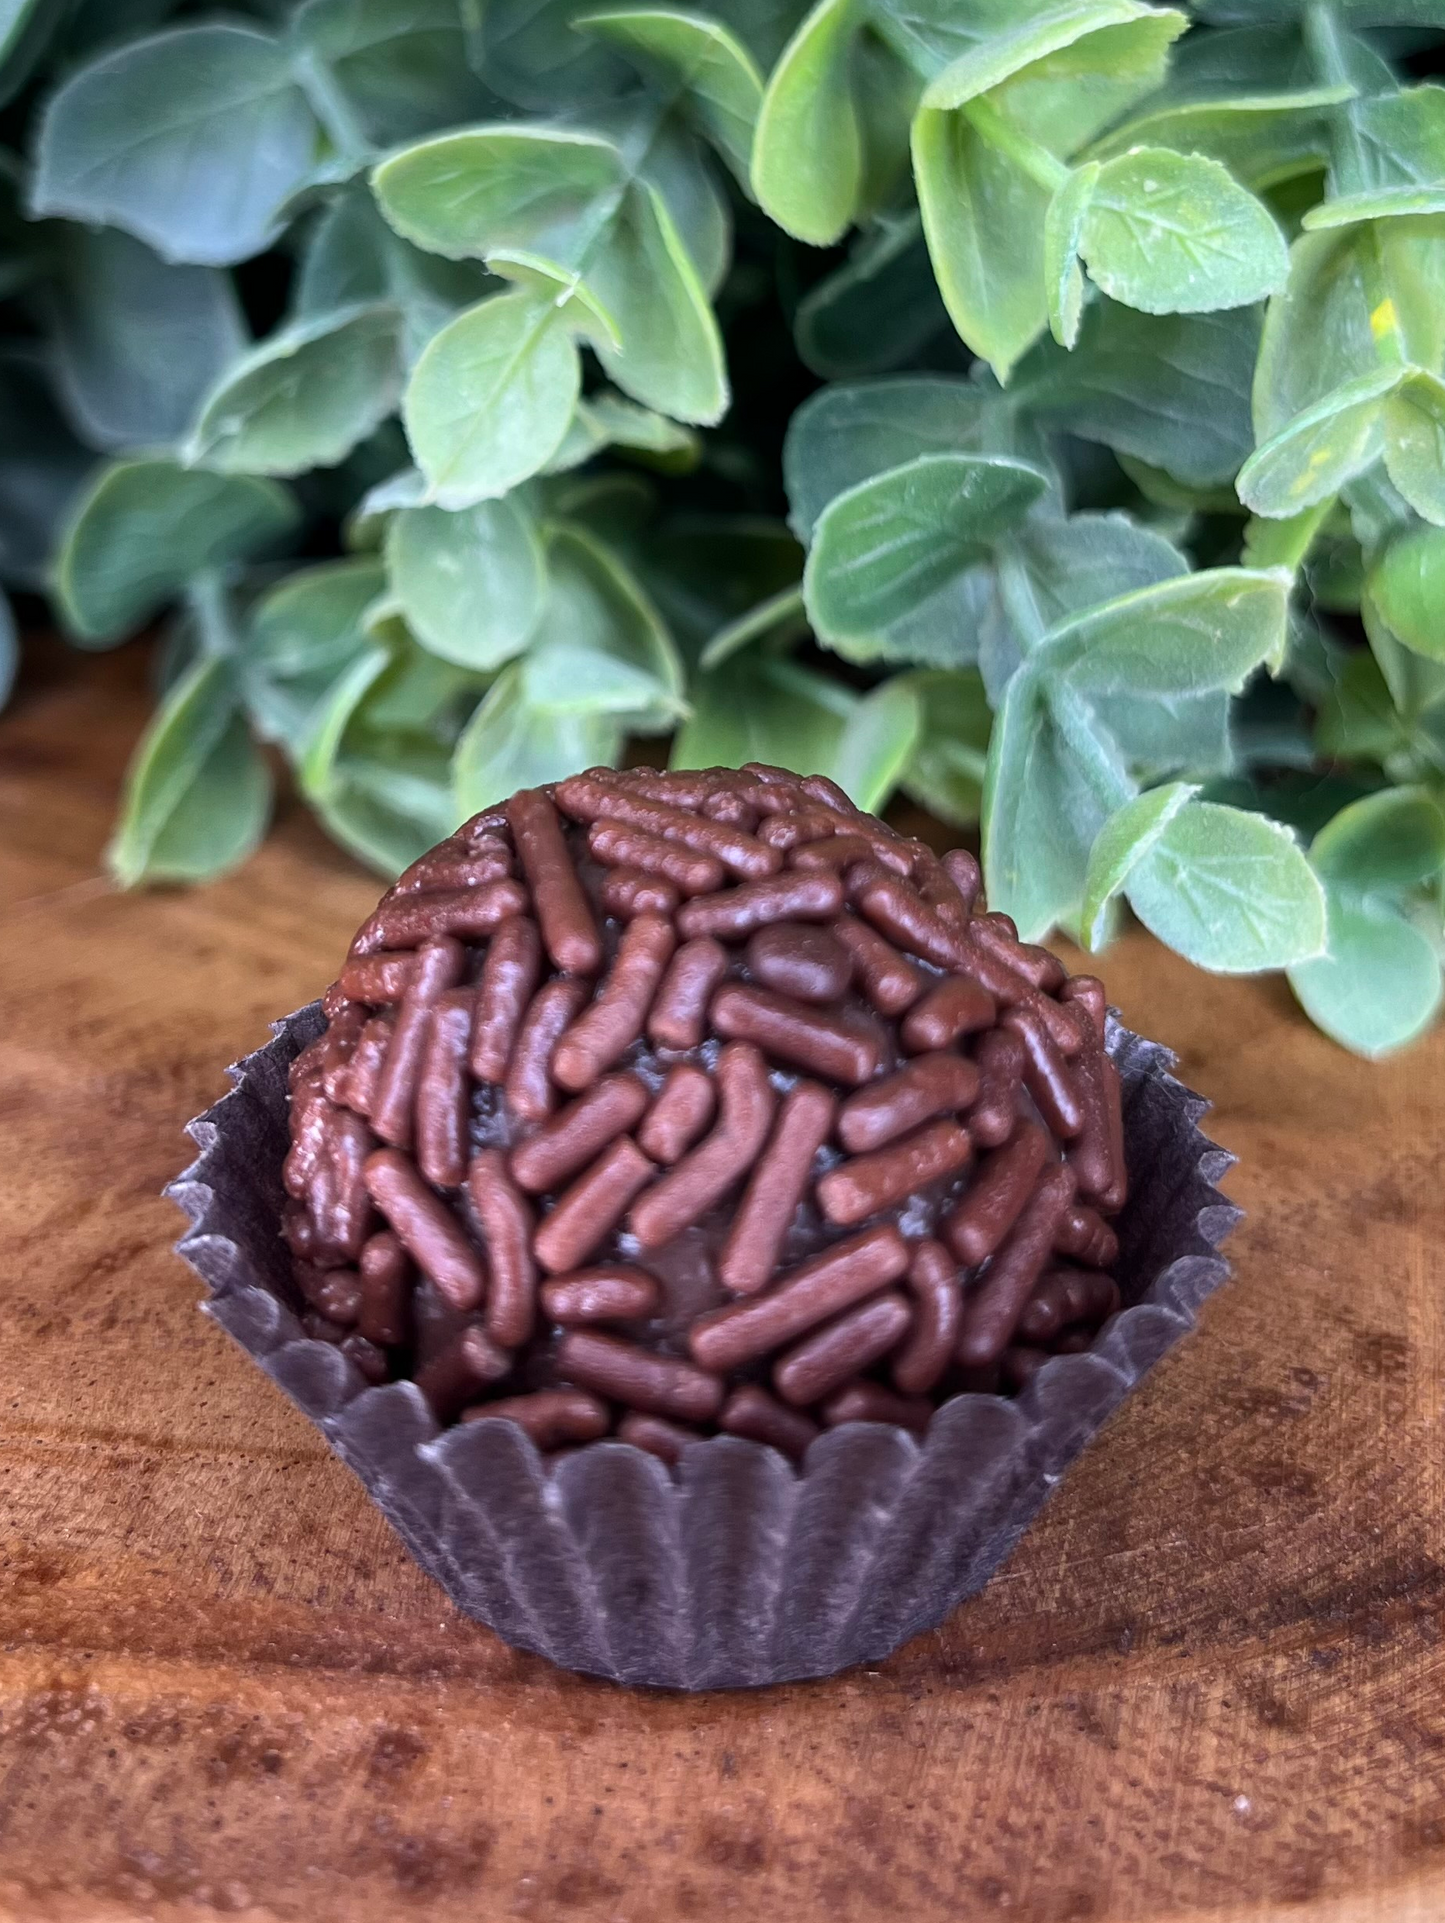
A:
[701,1103]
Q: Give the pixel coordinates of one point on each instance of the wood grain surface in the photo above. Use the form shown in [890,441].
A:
[1210,1683]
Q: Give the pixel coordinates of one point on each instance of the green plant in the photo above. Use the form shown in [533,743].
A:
[1110,510]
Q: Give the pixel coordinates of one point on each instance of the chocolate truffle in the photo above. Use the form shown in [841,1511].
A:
[654,1106]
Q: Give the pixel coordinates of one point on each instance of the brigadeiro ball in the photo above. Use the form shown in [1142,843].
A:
[662,1105]
[705,1229]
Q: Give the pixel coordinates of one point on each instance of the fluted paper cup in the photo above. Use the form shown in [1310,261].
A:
[736,1568]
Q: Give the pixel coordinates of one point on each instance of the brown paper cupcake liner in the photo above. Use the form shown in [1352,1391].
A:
[735,1569]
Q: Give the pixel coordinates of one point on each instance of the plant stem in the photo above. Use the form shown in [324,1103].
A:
[1030,155]
[1326,50]
[331,107]
[1019,599]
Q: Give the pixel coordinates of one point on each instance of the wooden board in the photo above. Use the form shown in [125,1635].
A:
[1209,1683]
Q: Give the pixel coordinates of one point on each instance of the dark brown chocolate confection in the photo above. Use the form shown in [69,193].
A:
[657,1106]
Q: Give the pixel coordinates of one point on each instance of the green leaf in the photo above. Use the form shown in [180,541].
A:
[509,744]
[807,160]
[15,18]
[1109,696]
[400,65]
[1063,235]
[1415,443]
[1387,706]
[1313,455]
[303,398]
[572,299]
[1169,389]
[844,435]
[1379,985]
[1269,544]
[601,647]
[1230,891]
[1348,292]
[309,622]
[1263,139]
[491,398]
[1396,161]
[300,636]
[884,547]
[144,527]
[1122,843]
[1186,636]
[1175,233]
[876,311]
[137,340]
[1390,844]
[1037,41]
[197,794]
[545,196]
[721,85]
[621,423]
[470,583]
[192,140]
[528,188]
[671,355]
[878,742]
[1407,586]
[945,771]
[527,51]
[1049,568]
[377,764]
[351,258]
[983,215]
[674,163]
[1053,780]
[1395,203]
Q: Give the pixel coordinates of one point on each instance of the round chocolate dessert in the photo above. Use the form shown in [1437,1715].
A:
[662,1105]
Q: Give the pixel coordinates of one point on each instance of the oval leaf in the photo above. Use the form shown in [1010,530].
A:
[1003,55]
[671,354]
[192,140]
[509,744]
[983,215]
[1407,586]
[530,188]
[144,527]
[1312,456]
[722,87]
[470,583]
[197,794]
[1231,891]
[1174,233]
[490,400]
[882,548]
[1415,443]
[807,161]
[138,341]
[1378,987]
[303,398]
[1122,843]
[1386,845]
